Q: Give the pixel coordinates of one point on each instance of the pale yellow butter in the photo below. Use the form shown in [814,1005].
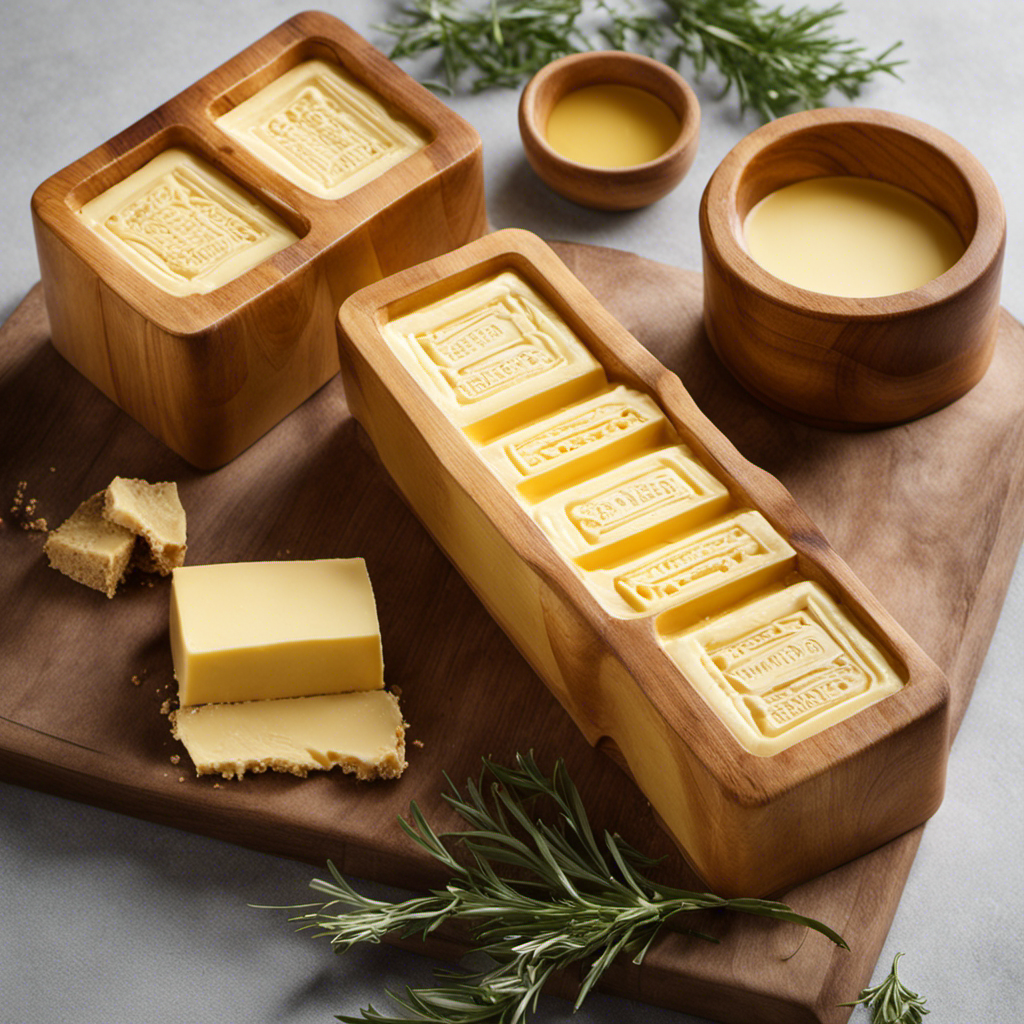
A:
[783,667]
[495,356]
[322,130]
[362,733]
[247,631]
[631,508]
[185,226]
[578,442]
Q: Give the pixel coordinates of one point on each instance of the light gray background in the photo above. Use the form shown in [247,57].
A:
[108,919]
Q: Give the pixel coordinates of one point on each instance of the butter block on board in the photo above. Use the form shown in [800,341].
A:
[674,598]
[362,733]
[247,631]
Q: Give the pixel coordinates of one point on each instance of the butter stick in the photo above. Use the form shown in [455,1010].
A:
[246,631]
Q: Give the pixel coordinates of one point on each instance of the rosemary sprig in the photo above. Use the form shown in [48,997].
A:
[777,60]
[502,42]
[891,1002]
[570,899]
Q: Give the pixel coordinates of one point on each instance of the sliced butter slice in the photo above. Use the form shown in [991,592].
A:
[783,667]
[362,733]
[578,441]
[154,513]
[245,631]
[642,503]
[91,549]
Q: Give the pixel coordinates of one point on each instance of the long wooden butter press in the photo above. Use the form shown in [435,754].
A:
[676,600]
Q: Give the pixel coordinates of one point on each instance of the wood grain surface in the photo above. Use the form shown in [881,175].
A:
[84,679]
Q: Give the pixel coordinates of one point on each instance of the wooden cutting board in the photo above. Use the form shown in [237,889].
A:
[84,680]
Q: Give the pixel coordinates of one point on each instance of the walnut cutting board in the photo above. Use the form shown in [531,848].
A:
[83,680]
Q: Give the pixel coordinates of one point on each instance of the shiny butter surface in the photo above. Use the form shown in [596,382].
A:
[185,226]
[322,130]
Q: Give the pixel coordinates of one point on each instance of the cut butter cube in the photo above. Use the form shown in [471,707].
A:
[243,631]
[362,733]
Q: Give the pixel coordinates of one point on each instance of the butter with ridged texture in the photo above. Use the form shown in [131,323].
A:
[245,631]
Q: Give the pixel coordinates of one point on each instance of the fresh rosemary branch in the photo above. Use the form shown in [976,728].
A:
[777,60]
[502,42]
[891,1002]
[570,899]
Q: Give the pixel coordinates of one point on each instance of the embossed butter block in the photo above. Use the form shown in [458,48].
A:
[578,441]
[193,265]
[673,597]
[631,508]
[495,356]
[705,571]
[184,225]
[322,130]
[784,667]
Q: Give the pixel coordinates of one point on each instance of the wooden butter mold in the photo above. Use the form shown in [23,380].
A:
[210,372]
[748,823]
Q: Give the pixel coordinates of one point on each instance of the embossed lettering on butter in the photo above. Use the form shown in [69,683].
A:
[322,130]
[184,225]
[580,440]
[632,507]
[699,574]
[496,355]
[784,667]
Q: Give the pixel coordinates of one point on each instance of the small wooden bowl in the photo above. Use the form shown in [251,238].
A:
[853,363]
[608,188]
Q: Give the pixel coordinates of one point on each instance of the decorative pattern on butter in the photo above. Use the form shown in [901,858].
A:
[783,667]
[574,443]
[184,225]
[322,130]
[495,355]
[631,508]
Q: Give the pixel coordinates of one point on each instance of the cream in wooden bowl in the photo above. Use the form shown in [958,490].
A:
[852,263]
[193,265]
[609,130]
[686,613]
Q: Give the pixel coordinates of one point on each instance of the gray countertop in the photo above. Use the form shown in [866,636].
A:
[105,918]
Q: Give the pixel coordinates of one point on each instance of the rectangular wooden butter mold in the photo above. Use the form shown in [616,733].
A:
[210,332]
[684,610]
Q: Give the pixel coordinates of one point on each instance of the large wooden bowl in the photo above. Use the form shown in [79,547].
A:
[608,188]
[853,363]
[210,373]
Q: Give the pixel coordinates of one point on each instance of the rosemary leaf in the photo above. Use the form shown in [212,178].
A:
[571,900]
[891,1002]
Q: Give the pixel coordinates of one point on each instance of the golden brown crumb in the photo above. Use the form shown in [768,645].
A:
[418,743]
[175,758]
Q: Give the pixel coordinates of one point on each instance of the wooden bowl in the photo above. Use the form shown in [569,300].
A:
[603,188]
[579,496]
[209,372]
[852,363]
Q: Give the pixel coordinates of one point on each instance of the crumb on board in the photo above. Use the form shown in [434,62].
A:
[418,743]
[175,758]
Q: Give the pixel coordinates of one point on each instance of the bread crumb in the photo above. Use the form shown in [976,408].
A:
[418,743]
[175,758]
